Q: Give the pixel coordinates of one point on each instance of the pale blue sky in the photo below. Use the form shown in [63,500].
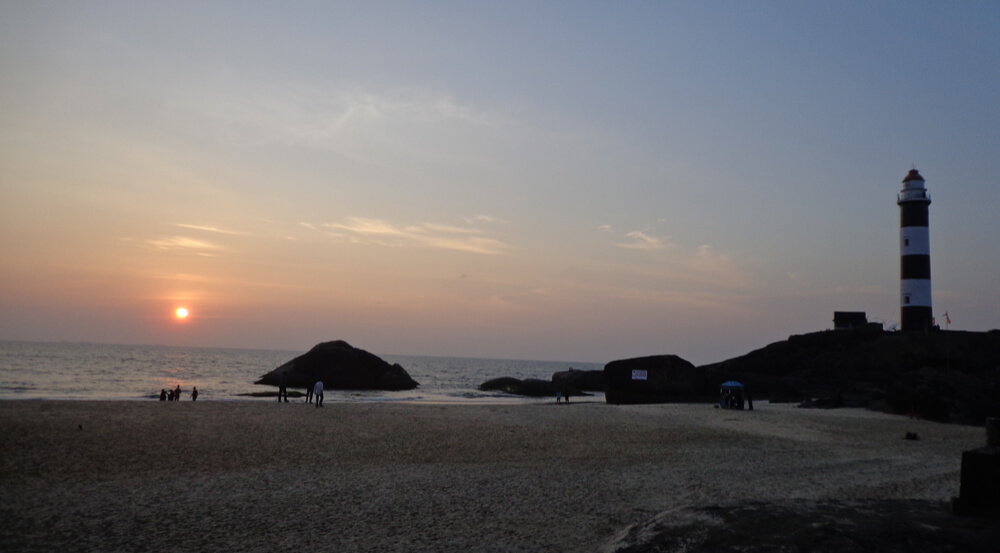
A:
[550,180]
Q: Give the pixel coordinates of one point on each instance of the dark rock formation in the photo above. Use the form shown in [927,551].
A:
[341,367]
[657,379]
[979,494]
[945,376]
[591,381]
[531,387]
[887,526]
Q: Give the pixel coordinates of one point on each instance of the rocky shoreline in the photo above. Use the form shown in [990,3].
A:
[944,376]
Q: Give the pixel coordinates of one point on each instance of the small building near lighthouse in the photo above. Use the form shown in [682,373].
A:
[850,319]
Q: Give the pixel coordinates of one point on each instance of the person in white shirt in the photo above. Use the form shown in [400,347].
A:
[318,393]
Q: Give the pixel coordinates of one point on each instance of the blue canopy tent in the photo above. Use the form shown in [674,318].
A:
[731,395]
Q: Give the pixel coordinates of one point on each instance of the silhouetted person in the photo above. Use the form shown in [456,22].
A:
[282,388]
[163,394]
[194,394]
[170,395]
[309,394]
[177,393]
[318,392]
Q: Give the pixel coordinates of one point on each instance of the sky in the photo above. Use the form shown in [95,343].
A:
[574,181]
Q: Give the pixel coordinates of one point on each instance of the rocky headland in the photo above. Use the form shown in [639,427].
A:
[944,376]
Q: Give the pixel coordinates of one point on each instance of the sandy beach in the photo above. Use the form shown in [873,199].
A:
[261,476]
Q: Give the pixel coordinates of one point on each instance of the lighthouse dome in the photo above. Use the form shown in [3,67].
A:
[913,175]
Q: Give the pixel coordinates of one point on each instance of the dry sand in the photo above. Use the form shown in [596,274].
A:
[262,476]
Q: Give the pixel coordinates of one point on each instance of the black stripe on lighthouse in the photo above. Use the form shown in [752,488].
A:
[915,266]
[913,215]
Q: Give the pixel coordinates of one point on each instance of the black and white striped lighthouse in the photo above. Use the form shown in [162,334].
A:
[915,255]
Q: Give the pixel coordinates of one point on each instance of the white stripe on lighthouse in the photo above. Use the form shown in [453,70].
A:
[915,292]
[914,241]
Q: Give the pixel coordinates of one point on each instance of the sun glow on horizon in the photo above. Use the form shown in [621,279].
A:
[181,313]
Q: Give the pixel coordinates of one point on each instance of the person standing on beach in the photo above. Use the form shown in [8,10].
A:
[163,394]
[194,394]
[177,393]
[318,392]
[282,388]
[309,394]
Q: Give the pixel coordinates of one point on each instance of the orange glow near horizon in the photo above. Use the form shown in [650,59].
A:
[181,313]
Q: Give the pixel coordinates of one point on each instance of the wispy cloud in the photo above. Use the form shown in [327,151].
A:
[643,241]
[485,219]
[369,227]
[356,122]
[184,243]
[426,235]
[215,230]
[686,266]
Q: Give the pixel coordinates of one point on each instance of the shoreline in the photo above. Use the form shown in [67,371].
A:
[370,476]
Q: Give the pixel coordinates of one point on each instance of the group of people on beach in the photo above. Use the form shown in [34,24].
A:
[314,391]
[175,394]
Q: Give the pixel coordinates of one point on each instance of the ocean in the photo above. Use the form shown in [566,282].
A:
[85,371]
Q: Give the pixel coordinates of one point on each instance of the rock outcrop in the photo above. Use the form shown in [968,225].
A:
[341,367]
[656,379]
[891,526]
[945,376]
[589,381]
[531,387]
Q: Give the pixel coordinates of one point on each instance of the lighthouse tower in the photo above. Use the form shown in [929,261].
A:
[915,255]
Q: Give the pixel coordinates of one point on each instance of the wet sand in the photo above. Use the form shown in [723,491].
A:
[262,476]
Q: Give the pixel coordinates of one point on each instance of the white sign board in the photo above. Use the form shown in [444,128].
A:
[638,375]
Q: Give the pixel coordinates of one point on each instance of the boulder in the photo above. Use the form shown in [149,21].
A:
[656,379]
[532,387]
[591,381]
[341,367]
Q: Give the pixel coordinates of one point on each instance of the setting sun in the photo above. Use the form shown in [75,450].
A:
[182,313]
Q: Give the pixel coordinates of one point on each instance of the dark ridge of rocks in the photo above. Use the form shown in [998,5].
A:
[588,381]
[887,526]
[341,367]
[945,376]
[529,387]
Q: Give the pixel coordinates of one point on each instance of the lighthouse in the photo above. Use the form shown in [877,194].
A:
[915,256]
